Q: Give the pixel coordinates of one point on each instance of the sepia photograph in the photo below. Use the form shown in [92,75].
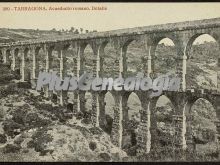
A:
[109,82]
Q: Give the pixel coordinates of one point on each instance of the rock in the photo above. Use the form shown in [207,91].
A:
[18,140]
[3,138]
[115,157]
[105,157]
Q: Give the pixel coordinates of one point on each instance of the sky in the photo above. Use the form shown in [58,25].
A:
[117,15]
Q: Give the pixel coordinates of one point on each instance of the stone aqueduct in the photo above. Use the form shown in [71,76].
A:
[182,34]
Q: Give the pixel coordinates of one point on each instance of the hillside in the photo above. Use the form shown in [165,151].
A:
[13,35]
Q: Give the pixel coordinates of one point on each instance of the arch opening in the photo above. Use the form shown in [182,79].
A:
[9,57]
[203,53]
[1,57]
[28,64]
[108,67]
[88,103]
[40,59]
[164,57]
[203,128]
[164,111]
[88,59]
[54,60]
[133,54]
[132,116]
[109,112]
[17,62]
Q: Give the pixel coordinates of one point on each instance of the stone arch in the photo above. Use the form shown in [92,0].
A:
[131,116]
[155,40]
[101,54]
[128,98]
[87,64]
[54,59]
[107,52]
[201,71]
[1,54]
[17,61]
[9,56]
[194,37]
[39,55]
[200,123]
[28,63]
[137,105]
[109,103]
[133,51]
[70,54]
[87,57]
[163,53]
[70,51]
[162,121]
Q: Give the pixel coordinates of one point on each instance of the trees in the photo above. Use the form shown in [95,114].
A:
[76,31]
[72,29]
[54,30]
[81,30]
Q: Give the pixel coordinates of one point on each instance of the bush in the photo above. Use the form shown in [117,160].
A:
[95,131]
[3,138]
[79,115]
[40,140]
[32,120]
[92,145]
[11,128]
[132,151]
[107,127]
[25,85]
[86,121]
[18,140]
[11,148]
[19,115]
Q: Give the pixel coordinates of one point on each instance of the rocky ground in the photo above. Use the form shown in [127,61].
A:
[35,134]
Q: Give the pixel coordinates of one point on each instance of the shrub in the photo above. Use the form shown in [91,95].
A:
[10,127]
[92,145]
[79,115]
[107,127]
[32,120]
[40,140]
[18,140]
[11,148]
[19,115]
[86,121]
[3,138]
[95,131]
